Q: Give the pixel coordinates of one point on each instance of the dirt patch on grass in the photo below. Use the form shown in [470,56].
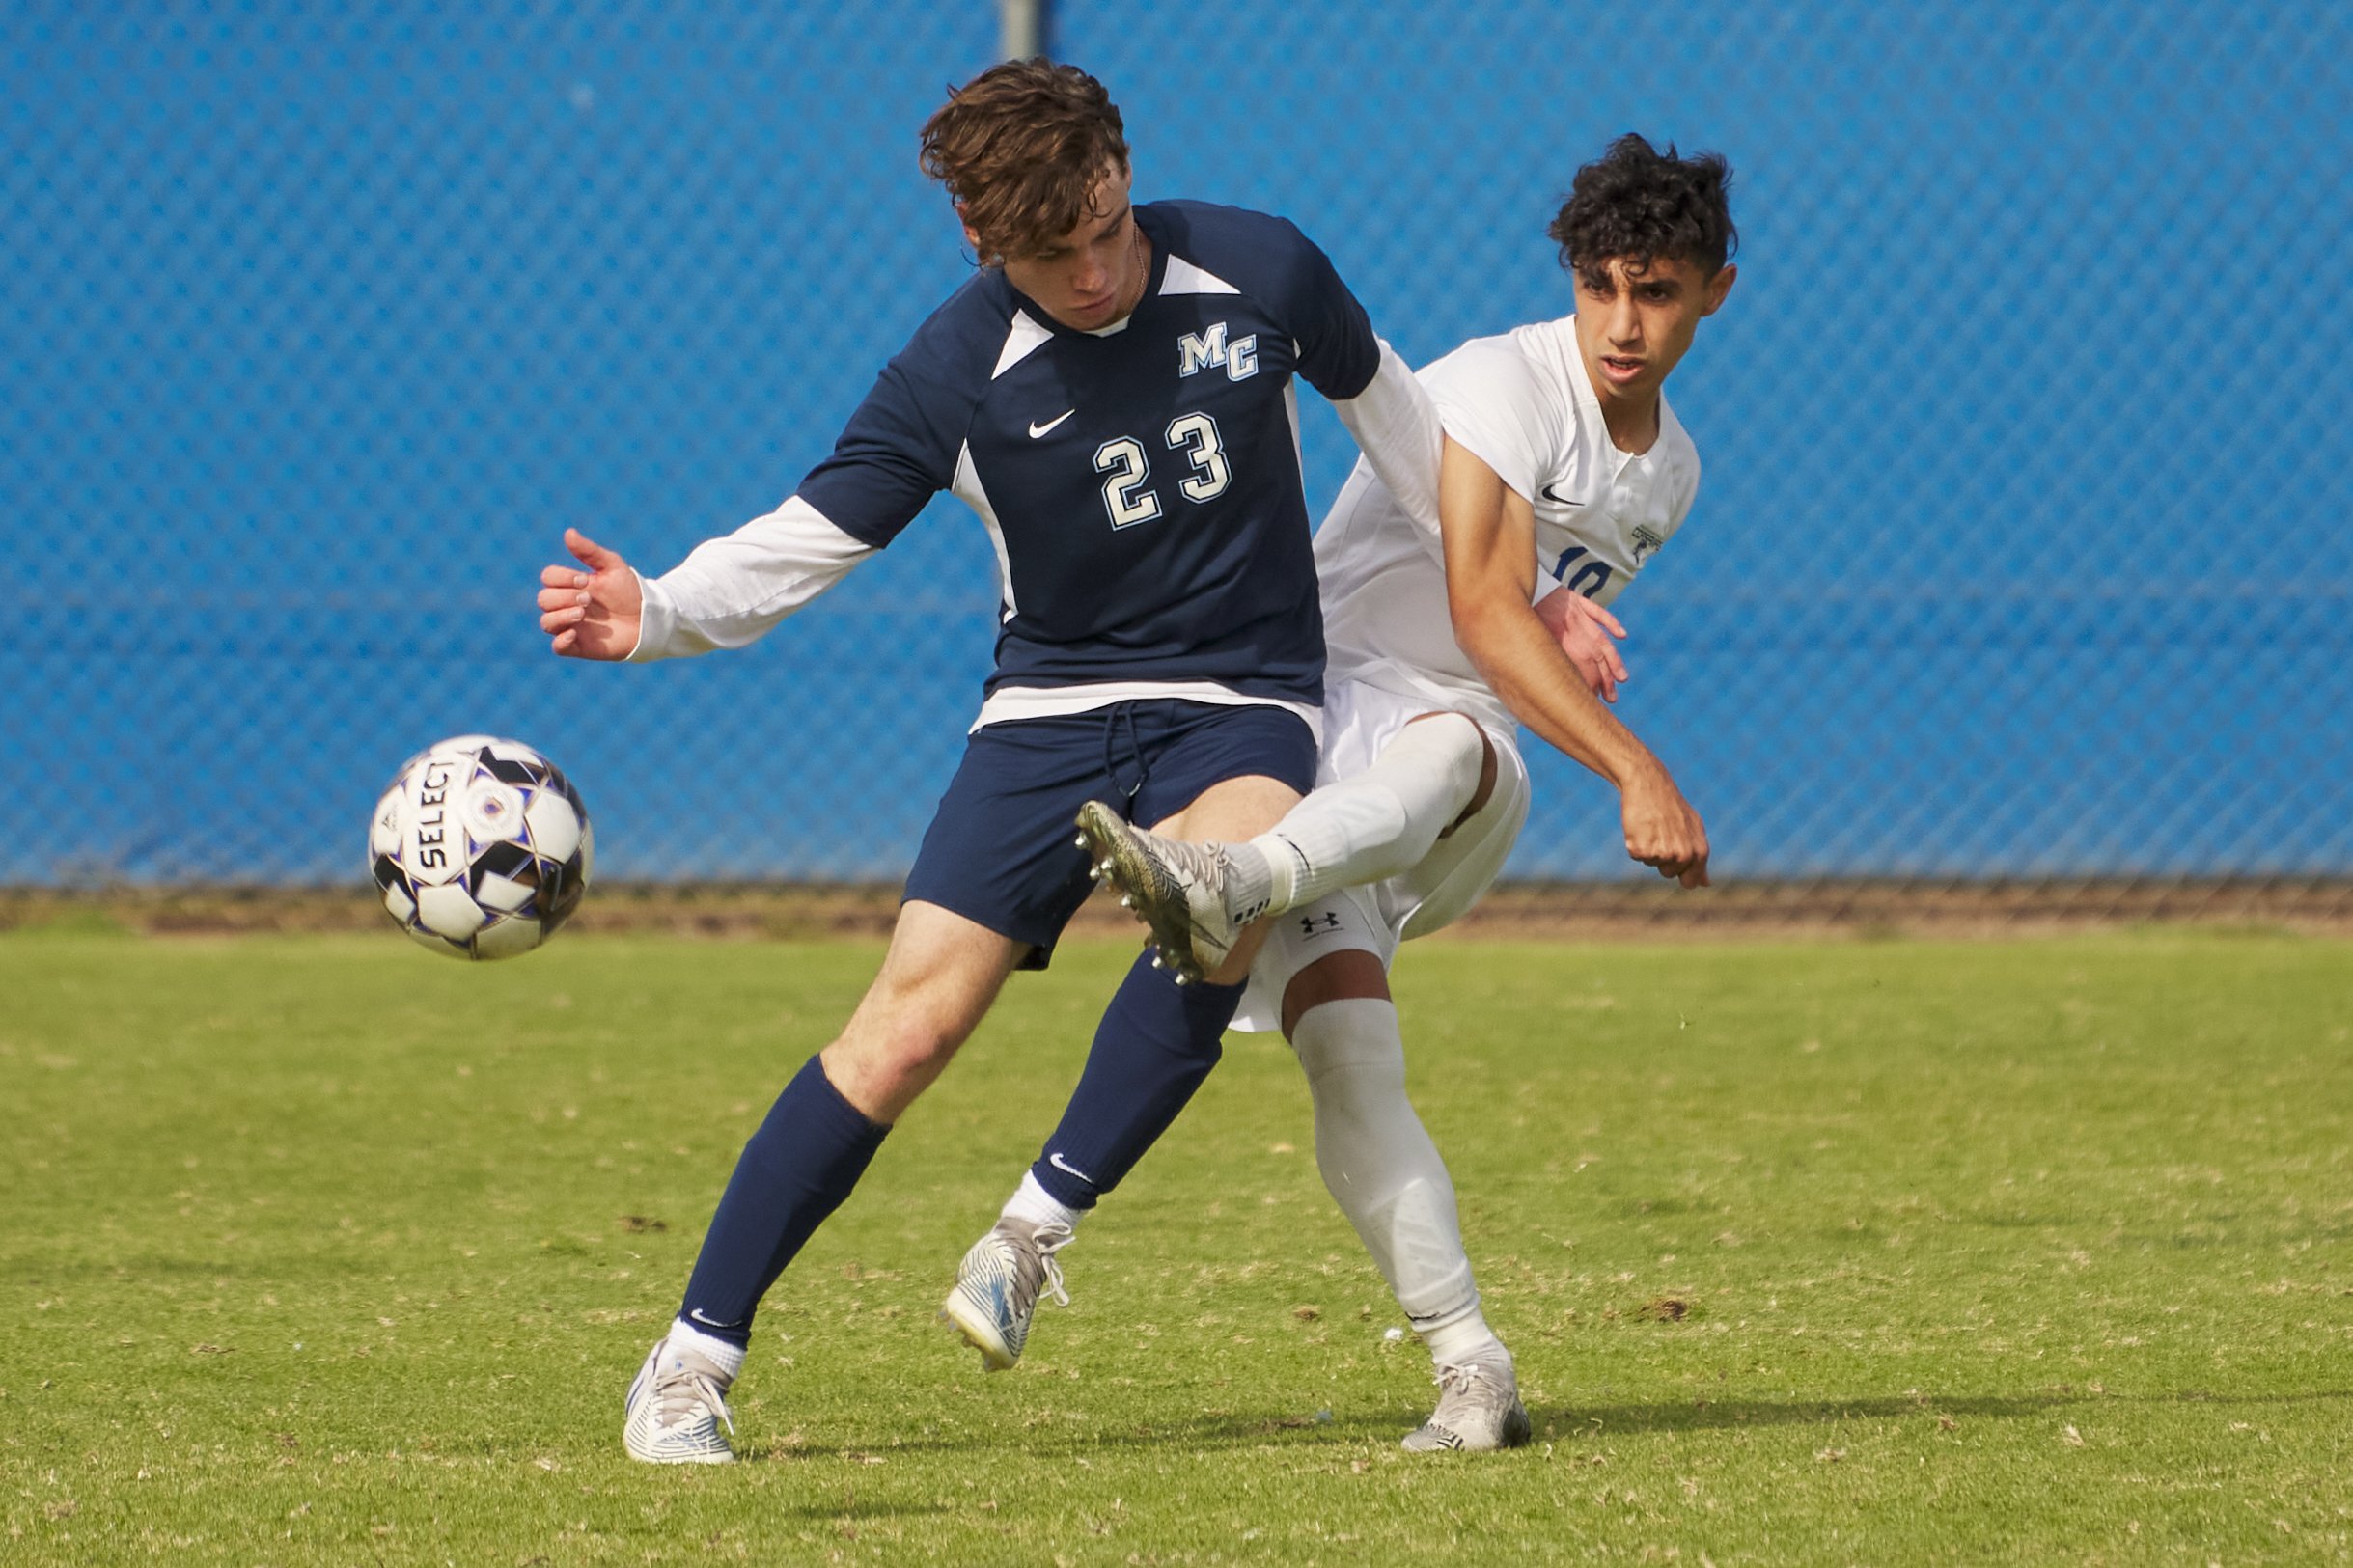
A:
[1859,910]
[1569,912]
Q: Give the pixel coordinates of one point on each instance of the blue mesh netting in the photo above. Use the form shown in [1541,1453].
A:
[2023,548]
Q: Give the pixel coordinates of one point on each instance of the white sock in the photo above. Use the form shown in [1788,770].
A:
[1378,1160]
[1031,1201]
[1250,880]
[1464,1336]
[1378,822]
[728,1355]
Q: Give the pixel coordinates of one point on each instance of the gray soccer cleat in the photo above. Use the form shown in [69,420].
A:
[677,1406]
[1175,887]
[998,1285]
[1478,1410]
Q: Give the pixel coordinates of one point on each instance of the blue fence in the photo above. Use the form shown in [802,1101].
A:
[2023,546]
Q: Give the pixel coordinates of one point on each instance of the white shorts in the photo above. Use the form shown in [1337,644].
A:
[1358,721]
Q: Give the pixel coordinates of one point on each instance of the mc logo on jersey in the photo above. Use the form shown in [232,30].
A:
[1197,351]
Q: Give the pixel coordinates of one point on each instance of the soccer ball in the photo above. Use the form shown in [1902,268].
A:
[480,847]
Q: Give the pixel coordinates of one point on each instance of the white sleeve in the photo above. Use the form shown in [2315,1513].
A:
[1396,425]
[1496,407]
[732,589]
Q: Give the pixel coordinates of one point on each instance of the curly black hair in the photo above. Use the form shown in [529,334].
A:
[1637,203]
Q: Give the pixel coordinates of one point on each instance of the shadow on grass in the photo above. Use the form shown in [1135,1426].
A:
[1342,1433]
[1206,1432]
[847,1505]
[1705,1415]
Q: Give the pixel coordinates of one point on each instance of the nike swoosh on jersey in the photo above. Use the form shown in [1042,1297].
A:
[1548,491]
[1056,1159]
[1036,429]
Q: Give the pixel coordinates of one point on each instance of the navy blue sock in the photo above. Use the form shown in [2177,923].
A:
[797,1169]
[1155,1044]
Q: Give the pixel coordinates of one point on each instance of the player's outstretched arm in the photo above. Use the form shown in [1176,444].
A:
[728,593]
[596,614]
[1491,570]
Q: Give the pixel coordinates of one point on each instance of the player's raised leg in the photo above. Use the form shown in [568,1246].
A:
[1372,825]
[938,978]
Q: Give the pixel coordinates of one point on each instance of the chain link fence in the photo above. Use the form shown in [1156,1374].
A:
[2022,551]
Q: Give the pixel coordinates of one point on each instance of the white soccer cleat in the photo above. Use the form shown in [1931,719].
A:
[1178,889]
[677,1406]
[1478,1410]
[998,1285]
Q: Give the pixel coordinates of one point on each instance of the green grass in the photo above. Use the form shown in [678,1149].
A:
[324,1252]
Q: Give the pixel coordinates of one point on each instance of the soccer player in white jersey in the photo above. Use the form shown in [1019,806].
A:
[1113,394]
[1563,471]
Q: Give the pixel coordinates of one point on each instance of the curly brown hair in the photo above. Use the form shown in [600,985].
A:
[1021,148]
[1637,203]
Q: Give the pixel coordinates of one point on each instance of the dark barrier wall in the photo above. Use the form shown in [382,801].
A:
[2024,549]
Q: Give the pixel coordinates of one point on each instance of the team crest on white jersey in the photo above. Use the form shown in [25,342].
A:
[1645,545]
[1197,351]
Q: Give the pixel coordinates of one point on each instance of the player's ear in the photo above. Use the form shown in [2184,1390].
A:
[1718,287]
[972,236]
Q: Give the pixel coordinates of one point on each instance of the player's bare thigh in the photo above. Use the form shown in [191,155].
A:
[1352,973]
[943,971]
[1231,810]
[936,983]
[1345,975]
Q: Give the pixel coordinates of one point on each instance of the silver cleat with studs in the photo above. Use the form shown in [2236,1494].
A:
[1177,889]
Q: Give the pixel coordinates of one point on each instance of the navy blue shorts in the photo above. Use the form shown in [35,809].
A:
[1001,850]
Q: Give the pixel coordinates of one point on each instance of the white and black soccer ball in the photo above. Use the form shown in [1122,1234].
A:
[480,847]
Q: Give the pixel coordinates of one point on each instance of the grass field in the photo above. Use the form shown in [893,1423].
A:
[319,1250]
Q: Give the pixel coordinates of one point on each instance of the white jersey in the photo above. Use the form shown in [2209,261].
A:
[1523,404]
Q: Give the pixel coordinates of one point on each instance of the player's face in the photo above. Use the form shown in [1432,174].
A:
[1093,275]
[1635,324]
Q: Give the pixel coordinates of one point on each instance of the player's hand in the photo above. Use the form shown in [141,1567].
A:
[1588,635]
[593,614]
[1661,829]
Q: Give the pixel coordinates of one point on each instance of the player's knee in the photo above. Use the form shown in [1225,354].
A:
[1350,1044]
[1456,738]
[1356,1081]
[892,1050]
[917,1055]
[1457,742]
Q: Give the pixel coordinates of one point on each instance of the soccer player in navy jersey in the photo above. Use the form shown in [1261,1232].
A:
[1111,393]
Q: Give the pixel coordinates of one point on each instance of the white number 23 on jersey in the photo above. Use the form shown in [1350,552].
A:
[1124,493]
